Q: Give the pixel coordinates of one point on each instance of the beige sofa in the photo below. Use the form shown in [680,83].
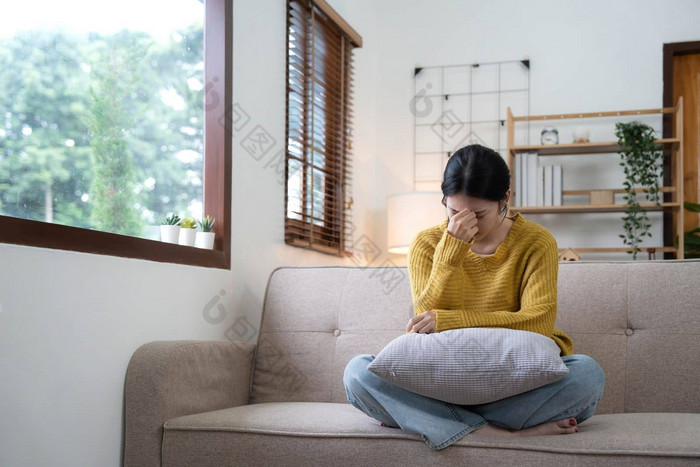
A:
[281,401]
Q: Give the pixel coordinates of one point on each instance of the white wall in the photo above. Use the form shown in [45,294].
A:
[585,56]
[69,322]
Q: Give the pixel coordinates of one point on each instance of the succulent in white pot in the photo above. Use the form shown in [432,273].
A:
[205,238]
[188,231]
[170,229]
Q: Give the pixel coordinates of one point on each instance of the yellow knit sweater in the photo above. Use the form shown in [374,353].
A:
[516,288]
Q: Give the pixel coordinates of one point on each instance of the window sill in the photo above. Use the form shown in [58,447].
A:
[55,236]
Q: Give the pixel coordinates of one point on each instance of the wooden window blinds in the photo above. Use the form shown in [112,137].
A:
[318,176]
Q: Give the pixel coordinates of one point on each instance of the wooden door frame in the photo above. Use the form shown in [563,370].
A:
[671,50]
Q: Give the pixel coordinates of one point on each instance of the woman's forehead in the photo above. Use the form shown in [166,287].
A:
[466,202]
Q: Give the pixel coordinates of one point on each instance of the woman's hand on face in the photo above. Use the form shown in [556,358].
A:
[422,323]
[462,225]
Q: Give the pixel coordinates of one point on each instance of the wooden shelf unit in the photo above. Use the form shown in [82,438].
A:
[581,149]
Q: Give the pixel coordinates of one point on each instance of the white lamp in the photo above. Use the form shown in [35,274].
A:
[409,213]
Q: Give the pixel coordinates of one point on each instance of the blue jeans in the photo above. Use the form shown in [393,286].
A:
[442,423]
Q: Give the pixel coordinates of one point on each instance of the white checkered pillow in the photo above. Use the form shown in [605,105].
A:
[469,366]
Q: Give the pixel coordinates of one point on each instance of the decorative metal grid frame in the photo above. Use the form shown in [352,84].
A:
[456,105]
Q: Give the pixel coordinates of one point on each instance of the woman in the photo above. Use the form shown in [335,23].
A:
[481,268]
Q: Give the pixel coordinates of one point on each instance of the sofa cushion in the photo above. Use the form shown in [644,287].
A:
[338,434]
[470,366]
[663,329]
[307,339]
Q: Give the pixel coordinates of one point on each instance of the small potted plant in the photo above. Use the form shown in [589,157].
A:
[170,229]
[205,238]
[188,231]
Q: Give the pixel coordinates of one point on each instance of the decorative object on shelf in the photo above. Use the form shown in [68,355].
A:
[604,197]
[205,238]
[569,255]
[652,253]
[581,134]
[642,160]
[188,231]
[549,135]
[170,229]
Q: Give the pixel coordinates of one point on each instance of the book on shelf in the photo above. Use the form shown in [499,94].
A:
[518,177]
[548,187]
[536,185]
[521,171]
[540,185]
[531,182]
[557,185]
[521,178]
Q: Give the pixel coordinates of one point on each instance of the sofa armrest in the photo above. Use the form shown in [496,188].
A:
[168,379]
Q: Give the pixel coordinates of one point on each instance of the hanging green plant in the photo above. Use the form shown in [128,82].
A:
[642,160]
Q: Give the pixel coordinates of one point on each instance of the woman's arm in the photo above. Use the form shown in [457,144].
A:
[430,269]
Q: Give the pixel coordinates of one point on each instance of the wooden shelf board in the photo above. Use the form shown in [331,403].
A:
[614,113]
[579,148]
[581,208]
[665,189]
[645,249]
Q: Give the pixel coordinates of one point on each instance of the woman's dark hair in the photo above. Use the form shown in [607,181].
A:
[476,171]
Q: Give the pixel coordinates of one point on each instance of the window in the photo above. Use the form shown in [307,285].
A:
[319,95]
[107,128]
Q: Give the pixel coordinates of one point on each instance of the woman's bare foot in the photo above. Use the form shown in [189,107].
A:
[559,427]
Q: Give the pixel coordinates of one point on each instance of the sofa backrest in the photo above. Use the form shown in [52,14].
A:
[639,319]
